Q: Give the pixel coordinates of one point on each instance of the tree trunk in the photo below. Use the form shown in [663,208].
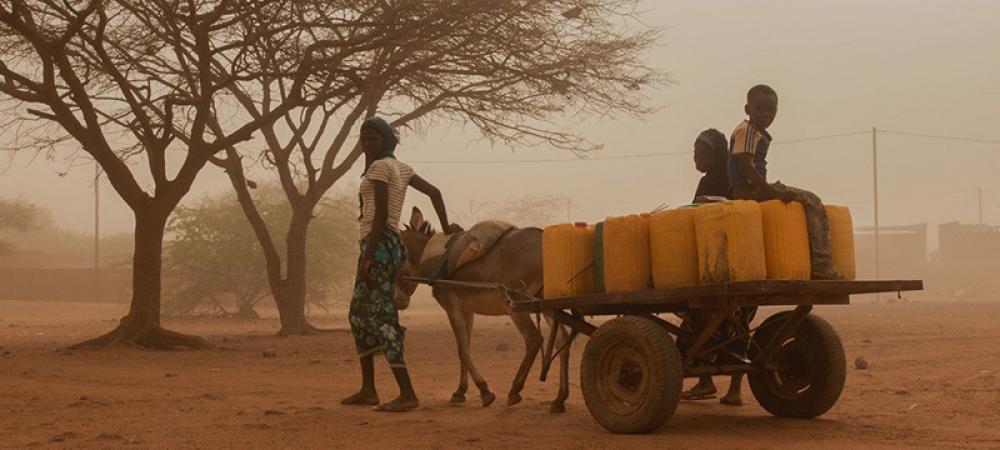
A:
[141,326]
[292,298]
[244,308]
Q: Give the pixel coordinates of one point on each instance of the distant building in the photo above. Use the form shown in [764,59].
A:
[902,252]
[968,243]
[967,261]
[34,275]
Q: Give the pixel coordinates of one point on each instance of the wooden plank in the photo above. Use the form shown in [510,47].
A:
[679,299]
[673,329]
[851,287]
[547,356]
[778,300]
[677,295]
[620,309]
[713,302]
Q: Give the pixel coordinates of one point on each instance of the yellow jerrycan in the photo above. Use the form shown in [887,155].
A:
[568,260]
[842,240]
[730,239]
[674,248]
[627,264]
[786,240]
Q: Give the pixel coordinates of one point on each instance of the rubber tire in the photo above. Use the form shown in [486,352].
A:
[666,374]
[826,357]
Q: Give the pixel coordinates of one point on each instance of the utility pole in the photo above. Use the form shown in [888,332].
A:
[875,189]
[97,231]
[980,190]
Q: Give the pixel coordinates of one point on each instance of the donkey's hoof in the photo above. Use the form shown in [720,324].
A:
[557,408]
[513,399]
[488,398]
[457,398]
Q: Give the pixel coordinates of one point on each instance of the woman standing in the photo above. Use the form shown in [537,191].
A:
[373,315]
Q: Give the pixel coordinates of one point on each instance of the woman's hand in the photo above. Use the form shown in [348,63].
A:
[365,269]
[434,194]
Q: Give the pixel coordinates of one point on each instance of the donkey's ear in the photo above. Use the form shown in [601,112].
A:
[416,219]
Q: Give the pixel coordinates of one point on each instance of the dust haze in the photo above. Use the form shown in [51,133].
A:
[838,67]
[914,83]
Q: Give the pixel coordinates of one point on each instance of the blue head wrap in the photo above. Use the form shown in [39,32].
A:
[389,139]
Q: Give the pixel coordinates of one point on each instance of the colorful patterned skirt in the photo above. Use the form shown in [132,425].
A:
[373,315]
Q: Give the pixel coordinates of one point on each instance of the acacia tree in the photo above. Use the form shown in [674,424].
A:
[16,215]
[510,68]
[213,255]
[142,79]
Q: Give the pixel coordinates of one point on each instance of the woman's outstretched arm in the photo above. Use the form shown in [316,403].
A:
[437,200]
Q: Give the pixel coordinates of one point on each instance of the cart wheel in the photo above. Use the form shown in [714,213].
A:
[631,375]
[811,373]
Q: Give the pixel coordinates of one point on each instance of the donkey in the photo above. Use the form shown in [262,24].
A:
[516,262]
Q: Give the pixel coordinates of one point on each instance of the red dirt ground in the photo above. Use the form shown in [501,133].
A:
[934,381]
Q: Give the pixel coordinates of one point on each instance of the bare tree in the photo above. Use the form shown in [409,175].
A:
[145,79]
[511,68]
[16,215]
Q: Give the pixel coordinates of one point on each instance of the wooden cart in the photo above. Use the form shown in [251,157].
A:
[634,364]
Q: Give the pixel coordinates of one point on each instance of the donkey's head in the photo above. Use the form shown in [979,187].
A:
[415,236]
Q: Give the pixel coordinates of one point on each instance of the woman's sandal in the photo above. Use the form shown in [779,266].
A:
[695,397]
[699,393]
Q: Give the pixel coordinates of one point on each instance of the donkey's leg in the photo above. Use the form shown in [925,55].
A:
[463,380]
[559,404]
[532,344]
[459,327]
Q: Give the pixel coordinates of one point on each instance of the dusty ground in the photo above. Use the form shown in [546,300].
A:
[934,382]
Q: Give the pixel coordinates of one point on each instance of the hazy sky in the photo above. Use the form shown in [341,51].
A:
[838,66]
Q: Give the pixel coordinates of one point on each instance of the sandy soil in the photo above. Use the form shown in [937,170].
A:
[934,381]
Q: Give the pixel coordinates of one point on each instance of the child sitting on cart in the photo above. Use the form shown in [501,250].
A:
[747,166]
[748,147]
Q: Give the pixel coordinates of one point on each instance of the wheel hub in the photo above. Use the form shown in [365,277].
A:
[626,381]
[795,371]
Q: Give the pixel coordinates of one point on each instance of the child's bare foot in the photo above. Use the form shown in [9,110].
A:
[400,404]
[361,398]
[732,399]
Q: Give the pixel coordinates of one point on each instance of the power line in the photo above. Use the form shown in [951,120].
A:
[937,136]
[621,157]
[532,161]
[688,152]
[822,138]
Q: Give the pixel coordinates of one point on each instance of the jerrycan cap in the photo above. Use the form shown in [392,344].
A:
[580,224]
